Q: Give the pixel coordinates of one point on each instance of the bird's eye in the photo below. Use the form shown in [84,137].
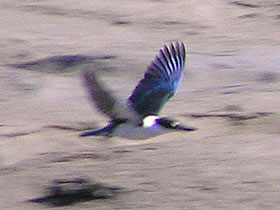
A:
[174,124]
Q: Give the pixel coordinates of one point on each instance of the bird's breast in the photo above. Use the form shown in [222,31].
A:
[130,131]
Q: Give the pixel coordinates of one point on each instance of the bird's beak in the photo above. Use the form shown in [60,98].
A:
[185,128]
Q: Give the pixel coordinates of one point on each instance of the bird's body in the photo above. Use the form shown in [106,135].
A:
[138,118]
[135,132]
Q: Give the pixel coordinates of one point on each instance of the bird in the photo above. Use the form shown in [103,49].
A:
[138,118]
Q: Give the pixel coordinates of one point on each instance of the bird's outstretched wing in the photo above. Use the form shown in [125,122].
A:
[160,82]
[106,102]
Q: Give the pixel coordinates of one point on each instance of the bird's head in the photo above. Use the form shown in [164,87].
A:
[152,120]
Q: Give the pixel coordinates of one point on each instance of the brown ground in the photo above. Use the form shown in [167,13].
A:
[230,92]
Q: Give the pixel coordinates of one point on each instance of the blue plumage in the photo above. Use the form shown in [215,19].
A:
[160,82]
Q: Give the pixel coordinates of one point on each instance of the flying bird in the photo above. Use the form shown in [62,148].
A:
[138,118]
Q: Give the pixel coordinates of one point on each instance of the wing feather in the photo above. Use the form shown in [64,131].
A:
[171,61]
[160,81]
[105,101]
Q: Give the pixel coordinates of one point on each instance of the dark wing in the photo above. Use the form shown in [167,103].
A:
[160,82]
[106,102]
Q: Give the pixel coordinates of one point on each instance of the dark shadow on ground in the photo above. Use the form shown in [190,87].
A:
[68,192]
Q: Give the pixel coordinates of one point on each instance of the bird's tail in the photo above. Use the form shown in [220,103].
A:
[106,131]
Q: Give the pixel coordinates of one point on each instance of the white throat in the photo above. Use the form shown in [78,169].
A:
[150,121]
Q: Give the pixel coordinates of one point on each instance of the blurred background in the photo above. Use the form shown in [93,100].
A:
[230,92]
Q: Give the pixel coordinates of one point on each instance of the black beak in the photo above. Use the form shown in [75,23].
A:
[171,124]
[185,128]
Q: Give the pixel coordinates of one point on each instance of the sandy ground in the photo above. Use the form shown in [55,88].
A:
[230,92]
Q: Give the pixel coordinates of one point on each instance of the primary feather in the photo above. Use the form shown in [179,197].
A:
[160,82]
